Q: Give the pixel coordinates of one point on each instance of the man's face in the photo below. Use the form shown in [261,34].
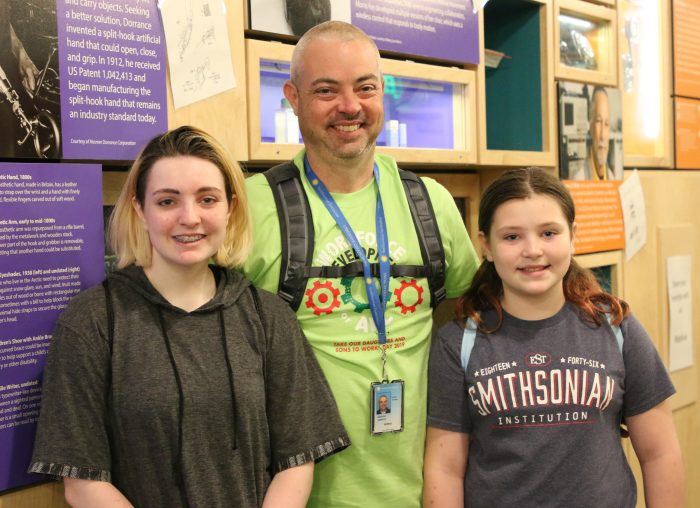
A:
[600,129]
[383,402]
[338,99]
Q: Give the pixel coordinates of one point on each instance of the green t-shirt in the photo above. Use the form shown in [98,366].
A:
[381,470]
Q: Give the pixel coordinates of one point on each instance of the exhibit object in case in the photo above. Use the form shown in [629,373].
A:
[585,42]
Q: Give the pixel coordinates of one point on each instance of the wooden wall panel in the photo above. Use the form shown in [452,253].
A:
[46,495]
[671,198]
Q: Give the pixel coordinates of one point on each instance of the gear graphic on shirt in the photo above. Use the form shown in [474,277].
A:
[348,298]
[326,292]
[398,293]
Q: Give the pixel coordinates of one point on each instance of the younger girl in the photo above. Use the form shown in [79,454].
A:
[526,399]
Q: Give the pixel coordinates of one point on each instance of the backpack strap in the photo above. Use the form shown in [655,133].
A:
[297,238]
[619,338]
[468,339]
[428,234]
[296,230]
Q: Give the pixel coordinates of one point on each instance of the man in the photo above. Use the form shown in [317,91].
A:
[596,166]
[336,89]
[383,405]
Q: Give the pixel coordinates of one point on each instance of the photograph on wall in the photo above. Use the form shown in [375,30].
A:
[590,132]
[430,28]
[30,108]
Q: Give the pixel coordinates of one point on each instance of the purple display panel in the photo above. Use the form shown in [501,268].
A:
[432,28]
[448,30]
[112,65]
[51,247]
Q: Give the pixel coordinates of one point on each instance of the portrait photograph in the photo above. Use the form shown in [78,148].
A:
[590,132]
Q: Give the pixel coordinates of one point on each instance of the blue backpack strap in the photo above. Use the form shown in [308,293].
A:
[468,339]
[616,330]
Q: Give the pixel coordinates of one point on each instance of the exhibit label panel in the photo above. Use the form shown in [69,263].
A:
[113,86]
[51,247]
[443,29]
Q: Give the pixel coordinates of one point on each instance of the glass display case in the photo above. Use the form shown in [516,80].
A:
[426,120]
[517,102]
[645,80]
[585,42]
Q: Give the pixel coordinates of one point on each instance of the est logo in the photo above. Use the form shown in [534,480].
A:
[538,359]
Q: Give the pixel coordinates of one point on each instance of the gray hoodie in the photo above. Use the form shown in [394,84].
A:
[182,409]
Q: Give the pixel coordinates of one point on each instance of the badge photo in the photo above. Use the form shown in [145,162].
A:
[386,407]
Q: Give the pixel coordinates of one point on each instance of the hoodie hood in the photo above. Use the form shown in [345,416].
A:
[229,287]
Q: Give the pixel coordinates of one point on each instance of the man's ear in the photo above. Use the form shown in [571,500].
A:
[292,94]
[485,247]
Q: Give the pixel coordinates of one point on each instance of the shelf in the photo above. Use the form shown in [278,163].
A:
[517,101]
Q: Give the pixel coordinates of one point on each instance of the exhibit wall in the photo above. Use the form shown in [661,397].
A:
[467,95]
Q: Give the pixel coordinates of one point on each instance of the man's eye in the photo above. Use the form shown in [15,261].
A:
[323,91]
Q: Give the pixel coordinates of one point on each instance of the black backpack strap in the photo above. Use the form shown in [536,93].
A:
[297,238]
[355,269]
[296,230]
[428,234]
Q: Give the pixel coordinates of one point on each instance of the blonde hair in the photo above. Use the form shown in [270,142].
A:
[338,30]
[127,235]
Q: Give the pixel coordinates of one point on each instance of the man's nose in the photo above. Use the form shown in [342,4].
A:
[349,102]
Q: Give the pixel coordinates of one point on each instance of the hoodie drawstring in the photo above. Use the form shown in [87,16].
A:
[179,480]
[229,369]
[181,396]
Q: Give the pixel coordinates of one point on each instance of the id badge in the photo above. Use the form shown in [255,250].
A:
[386,407]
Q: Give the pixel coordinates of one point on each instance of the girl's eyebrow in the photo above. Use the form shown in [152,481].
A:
[167,190]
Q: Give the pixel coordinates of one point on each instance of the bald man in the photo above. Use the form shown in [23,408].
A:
[337,90]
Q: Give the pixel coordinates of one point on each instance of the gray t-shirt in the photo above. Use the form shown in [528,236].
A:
[542,403]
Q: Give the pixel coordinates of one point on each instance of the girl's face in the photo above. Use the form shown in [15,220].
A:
[530,244]
[185,211]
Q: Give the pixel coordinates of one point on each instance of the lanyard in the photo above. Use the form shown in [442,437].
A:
[377,304]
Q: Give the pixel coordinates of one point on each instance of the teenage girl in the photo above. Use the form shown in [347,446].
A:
[177,383]
[528,391]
